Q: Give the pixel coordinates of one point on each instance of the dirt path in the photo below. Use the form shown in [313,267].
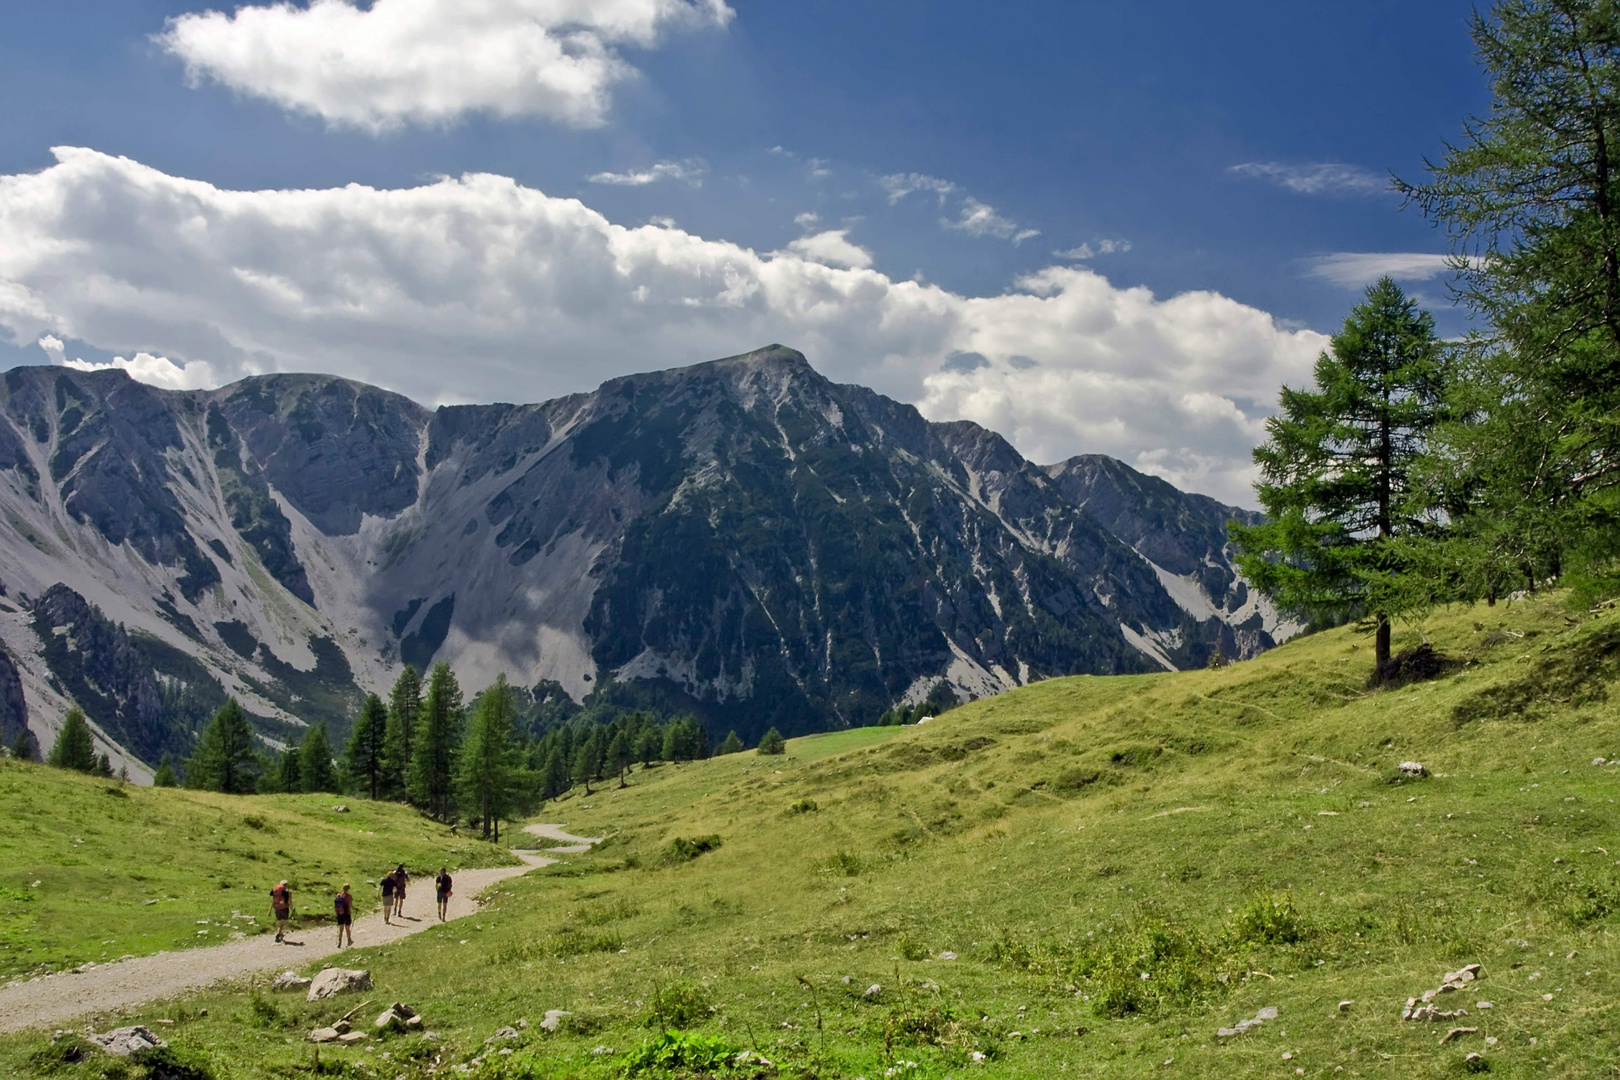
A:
[55,999]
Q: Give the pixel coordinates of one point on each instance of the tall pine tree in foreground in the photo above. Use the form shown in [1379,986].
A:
[74,747]
[363,758]
[435,744]
[490,772]
[1530,195]
[404,705]
[1336,474]
[225,759]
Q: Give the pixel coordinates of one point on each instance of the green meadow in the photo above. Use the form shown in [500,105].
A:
[1086,877]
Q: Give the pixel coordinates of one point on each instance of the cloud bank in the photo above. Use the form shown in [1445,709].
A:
[478,288]
[397,62]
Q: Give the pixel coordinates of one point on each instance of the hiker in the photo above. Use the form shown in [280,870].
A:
[400,878]
[281,908]
[388,884]
[441,887]
[343,908]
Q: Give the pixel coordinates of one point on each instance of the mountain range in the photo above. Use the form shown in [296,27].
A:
[742,539]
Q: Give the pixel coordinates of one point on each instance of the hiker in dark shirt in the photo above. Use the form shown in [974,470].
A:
[400,878]
[343,908]
[441,888]
[281,908]
[388,896]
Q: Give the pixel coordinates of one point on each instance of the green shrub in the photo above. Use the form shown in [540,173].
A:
[772,743]
[843,862]
[911,948]
[1153,967]
[1268,919]
[679,1005]
[683,849]
[262,1012]
[804,806]
[683,1050]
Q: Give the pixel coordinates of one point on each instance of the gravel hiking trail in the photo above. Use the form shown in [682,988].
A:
[52,1000]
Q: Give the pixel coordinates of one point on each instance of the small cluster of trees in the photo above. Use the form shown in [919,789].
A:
[1417,472]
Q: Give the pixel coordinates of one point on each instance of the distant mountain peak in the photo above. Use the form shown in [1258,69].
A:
[742,539]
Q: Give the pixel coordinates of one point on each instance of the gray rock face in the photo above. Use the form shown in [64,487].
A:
[13,706]
[334,981]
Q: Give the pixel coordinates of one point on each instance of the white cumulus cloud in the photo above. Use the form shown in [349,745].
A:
[832,248]
[156,370]
[981,219]
[479,288]
[1088,251]
[1356,269]
[1318,178]
[690,171]
[393,62]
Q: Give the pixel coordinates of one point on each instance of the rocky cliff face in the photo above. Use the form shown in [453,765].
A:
[742,538]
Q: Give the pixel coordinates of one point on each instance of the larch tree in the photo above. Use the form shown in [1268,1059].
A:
[435,744]
[404,705]
[74,748]
[1336,474]
[225,758]
[490,773]
[363,758]
[1530,195]
[315,771]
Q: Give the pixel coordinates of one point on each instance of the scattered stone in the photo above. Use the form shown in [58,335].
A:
[323,1035]
[1600,761]
[522,1024]
[352,1037]
[395,1017]
[1344,1006]
[601,1051]
[1490,1040]
[947,955]
[1475,1063]
[290,980]
[1483,1005]
[504,1034]
[873,992]
[1413,768]
[414,1024]
[1450,982]
[1243,1026]
[1288,1056]
[125,1041]
[340,809]
[553,1019]
[1457,1032]
[848,980]
[334,981]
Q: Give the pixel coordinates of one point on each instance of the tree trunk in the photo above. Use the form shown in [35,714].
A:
[1381,649]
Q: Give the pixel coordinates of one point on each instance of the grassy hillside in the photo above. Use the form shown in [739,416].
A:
[91,870]
[1120,866]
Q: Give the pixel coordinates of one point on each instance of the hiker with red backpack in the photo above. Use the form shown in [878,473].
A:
[281,908]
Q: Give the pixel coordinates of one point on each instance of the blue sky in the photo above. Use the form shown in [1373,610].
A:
[965,205]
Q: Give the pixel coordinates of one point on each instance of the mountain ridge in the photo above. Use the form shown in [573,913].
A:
[742,538]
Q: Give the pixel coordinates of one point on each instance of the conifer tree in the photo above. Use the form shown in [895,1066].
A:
[554,780]
[284,773]
[404,706]
[620,754]
[74,748]
[363,759]
[435,743]
[225,758]
[315,772]
[490,769]
[772,743]
[1530,195]
[104,767]
[731,744]
[1336,474]
[164,776]
[650,745]
[23,747]
[586,763]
